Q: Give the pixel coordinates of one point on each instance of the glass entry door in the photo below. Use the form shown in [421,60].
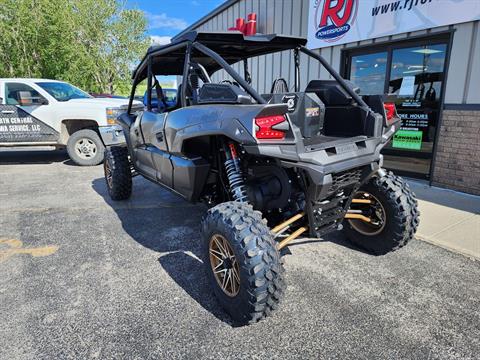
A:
[414,75]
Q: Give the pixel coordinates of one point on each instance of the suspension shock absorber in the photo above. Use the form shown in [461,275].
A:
[234,173]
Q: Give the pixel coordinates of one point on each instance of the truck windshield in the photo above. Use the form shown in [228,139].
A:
[63,91]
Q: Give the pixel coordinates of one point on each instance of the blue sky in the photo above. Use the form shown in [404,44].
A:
[168,17]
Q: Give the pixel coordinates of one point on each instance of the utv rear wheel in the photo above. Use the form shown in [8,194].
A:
[85,148]
[391,208]
[118,173]
[242,262]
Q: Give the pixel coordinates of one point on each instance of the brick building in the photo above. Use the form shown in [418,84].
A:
[457,163]
[424,52]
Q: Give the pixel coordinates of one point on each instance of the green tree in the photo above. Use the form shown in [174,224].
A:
[90,43]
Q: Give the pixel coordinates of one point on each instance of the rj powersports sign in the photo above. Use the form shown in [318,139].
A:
[334,22]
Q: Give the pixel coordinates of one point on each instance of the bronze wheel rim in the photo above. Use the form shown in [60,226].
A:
[375,211]
[108,173]
[224,265]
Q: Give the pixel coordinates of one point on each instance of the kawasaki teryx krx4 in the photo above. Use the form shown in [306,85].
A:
[271,167]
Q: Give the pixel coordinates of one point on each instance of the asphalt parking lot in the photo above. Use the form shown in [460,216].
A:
[82,277]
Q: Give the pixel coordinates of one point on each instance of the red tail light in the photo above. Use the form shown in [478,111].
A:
[390,111]
[268,127]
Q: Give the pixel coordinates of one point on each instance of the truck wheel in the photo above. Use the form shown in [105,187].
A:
[393,213]
[85,148]
[242,262]
[118,174]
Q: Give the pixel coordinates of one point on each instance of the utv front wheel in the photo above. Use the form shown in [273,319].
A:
[118,173]
[242,262]
[391,209]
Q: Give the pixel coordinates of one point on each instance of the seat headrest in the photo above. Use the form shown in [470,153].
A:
[24,97]
[279,86]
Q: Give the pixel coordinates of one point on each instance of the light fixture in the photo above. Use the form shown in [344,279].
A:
[427,51]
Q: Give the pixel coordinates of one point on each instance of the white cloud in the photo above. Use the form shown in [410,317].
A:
[159,21]
[195,3]
[160,40]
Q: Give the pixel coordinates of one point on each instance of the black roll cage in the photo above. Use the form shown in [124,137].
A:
[244,82]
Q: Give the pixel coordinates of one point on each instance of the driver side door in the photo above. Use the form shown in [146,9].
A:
[152,127]
[20,103]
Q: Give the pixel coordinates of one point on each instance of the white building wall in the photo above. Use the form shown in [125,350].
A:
[291,17]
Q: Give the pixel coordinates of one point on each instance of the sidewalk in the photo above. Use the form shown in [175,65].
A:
[448,219]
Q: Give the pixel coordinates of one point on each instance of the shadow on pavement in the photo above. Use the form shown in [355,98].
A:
[29,156]
[170,226]
[165,223]
[336,237]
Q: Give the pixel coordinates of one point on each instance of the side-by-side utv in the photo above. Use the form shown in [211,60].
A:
[270,167]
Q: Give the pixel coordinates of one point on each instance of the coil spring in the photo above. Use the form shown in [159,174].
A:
[235,179]
[194,81]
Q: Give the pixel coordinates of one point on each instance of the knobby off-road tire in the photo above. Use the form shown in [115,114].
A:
[261,283]
[85,148]
[401,216]
[118,174]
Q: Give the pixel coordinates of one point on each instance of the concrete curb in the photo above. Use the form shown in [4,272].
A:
[446,246]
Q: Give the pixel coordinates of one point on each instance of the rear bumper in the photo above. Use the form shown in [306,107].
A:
[329,189]
[112,135]
[326,181]
[328,158]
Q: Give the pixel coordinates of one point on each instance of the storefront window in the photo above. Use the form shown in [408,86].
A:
[414,78]
[416,73]
[368,72]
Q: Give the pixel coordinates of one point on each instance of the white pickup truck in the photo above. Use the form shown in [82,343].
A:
[39,112]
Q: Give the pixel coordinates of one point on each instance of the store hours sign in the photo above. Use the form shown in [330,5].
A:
[335,22]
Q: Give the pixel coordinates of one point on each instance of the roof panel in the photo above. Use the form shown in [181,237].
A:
[232,46]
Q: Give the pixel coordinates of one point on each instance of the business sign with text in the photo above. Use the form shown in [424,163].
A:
[335,22]
[16,125]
